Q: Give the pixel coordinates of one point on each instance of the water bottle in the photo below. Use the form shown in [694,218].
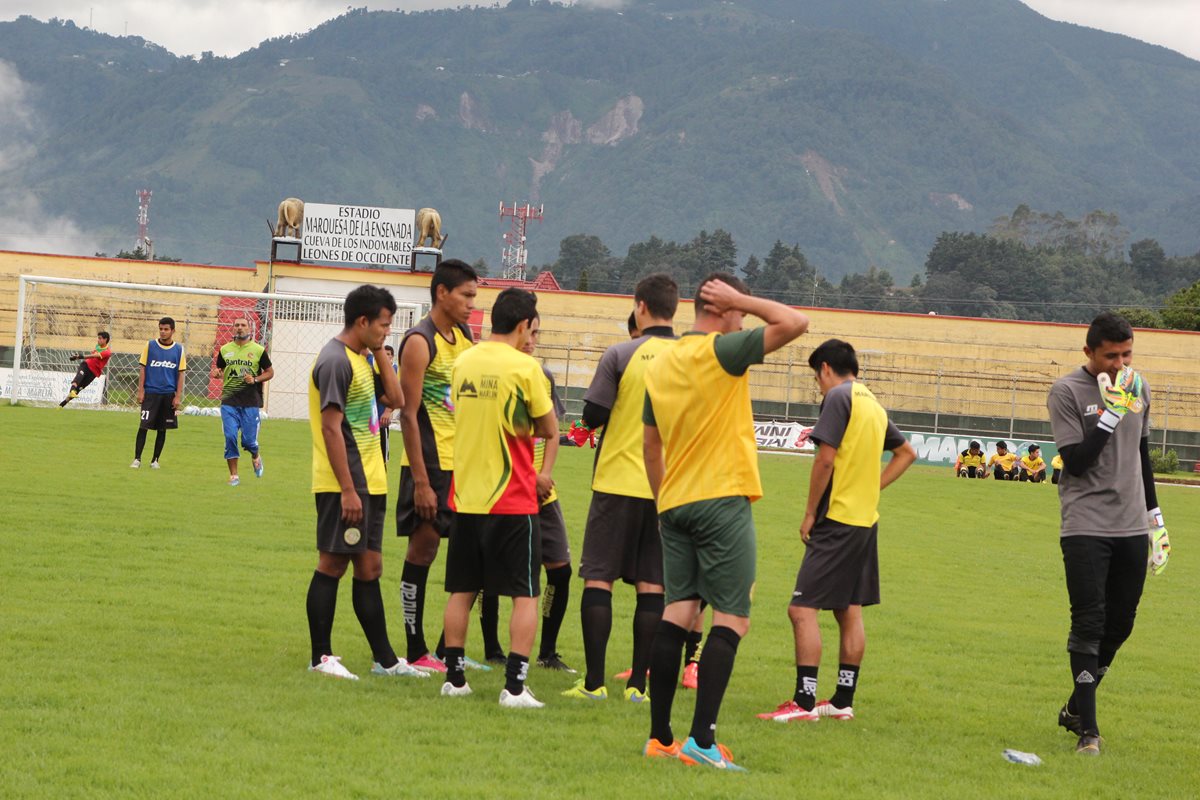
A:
[1019,757]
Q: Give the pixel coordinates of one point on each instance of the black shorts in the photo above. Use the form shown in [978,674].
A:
[1002,474]
[621,540]
[158,412]
[500,554]
[840,567]
[407,519]
[83,377]
[555,547]
[335,536]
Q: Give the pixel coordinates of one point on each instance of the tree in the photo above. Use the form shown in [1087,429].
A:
[578,253]
[751,271]
[138,254]
[1142,317]
[480,266]
[1183,309]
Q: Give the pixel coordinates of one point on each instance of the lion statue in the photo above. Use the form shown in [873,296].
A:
[429,226]
[291,217]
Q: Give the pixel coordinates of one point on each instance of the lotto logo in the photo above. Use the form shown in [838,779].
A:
[167,364]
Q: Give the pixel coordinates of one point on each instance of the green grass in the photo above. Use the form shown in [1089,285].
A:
[155,645]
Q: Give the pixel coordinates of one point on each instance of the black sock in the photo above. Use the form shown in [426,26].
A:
[554,608]
[516,669]
[160,440]
[455,667]
[489,623]
[843,696]
[368,607]
[321,604]
[806,687]
[1103,663]
[646,616]
[692,645]
[440,650]
[139,444]
[664,672]
[1084,669]
[716,665]
[595,617]
[412,601]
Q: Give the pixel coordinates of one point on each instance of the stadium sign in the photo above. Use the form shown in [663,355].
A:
[782,436]
[45,386]
[941,450]
[363,236]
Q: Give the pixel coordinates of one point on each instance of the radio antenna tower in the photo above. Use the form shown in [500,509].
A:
[514,258]
[143,218]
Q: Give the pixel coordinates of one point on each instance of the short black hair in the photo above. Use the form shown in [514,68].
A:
[512,307]
[368,301]
[106,335]
[167,321]
[973,444]
[631,323]
[451,273]
[723,277]
[660,293]
[839,355]
[1033,447]
[1001,444]
[391,351]
[1108,327]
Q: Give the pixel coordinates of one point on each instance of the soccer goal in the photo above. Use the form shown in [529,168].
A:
[58,317]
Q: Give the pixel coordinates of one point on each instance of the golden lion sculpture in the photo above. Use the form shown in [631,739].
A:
[291,217]
[429,226]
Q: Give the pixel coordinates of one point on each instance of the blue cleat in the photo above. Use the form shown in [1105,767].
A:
[717,756]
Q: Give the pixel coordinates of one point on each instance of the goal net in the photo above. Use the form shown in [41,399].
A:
[58,317]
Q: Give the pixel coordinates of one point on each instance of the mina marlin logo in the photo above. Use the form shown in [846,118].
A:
[467,389]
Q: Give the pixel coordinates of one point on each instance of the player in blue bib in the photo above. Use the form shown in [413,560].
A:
[160,389]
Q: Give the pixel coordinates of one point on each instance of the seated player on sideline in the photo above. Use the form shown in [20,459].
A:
[93,364]
[1056,464]
[970,462]
[1033,468]
[1003,463]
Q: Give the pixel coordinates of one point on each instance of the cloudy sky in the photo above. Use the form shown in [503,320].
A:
[229,27]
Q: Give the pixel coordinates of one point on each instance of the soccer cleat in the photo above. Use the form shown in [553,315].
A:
[470,663]
[523,700]
[790,712]
[623,676]
[717,756]
[635,695]
[656,749]
[258,467]
[450,690]
[962,473]
[554,662]
[332,665]
[400,669]
[824,708]
[234,481]
[691,676]
[1070,721]
[137,463]
[581,692]
[428,663]
[154,464]
[1089,744]
[71,395]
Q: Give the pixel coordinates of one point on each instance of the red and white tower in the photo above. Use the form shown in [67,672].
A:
[514,258]
[143,218]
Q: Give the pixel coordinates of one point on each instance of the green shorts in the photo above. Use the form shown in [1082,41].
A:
[709,552]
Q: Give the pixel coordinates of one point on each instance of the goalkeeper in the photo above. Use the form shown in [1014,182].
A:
[1108,501]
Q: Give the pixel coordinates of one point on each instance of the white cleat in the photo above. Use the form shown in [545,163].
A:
[137,463]
[400,668]
[332,666]
[154,465]
[450,690]
[523,700]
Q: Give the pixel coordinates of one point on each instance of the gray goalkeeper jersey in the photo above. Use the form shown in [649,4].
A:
[1108,499]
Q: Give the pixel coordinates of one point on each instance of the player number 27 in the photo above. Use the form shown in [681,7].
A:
[145,414]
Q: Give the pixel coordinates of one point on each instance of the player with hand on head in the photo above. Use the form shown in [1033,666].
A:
[243,366]
[840,570]
[1100,415]
[91,368]
[160,389]
[349,481]
[697,414]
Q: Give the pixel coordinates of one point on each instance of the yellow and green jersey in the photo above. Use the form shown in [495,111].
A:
[343,379]
[539,445]
[236,361]
[435,416]
[498,392]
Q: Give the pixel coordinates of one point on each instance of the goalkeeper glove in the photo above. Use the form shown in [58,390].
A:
[1120,397]
[1160,543]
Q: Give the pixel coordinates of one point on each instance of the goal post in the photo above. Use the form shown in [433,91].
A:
[57,317]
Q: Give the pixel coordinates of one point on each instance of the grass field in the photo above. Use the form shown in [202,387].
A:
[156,644]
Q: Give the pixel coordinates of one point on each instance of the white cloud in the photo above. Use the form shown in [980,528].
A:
[1170,23]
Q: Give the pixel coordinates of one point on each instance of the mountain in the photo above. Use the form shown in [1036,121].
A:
[859,129]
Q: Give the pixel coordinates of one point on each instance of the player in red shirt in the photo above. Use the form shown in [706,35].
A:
[91,367]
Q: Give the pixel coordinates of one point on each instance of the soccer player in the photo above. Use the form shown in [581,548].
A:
[1056,464]
[91,368]
[840,570]
[1032,466]
[702,464]
[427,353]
[243,366]
[970,462]
[385,413]
[160,389]
[1003,463]
[1100,415]
[621,539]
[349,481]
[631,325]
[501,403]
